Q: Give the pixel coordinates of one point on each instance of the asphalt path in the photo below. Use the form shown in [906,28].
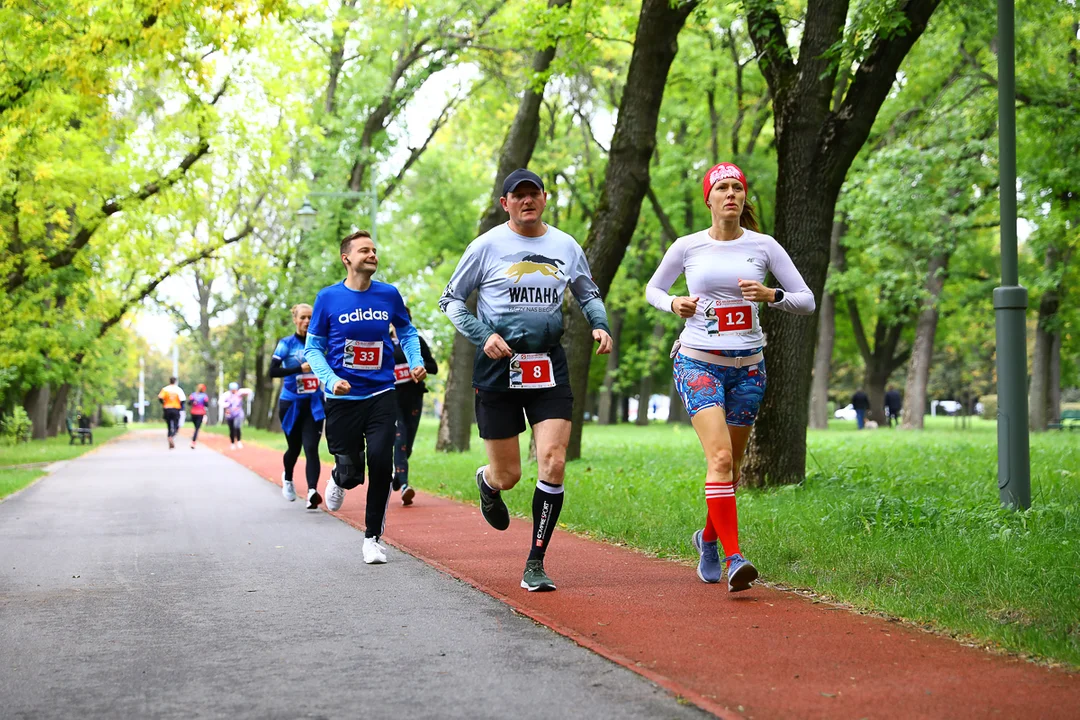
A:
[132,587]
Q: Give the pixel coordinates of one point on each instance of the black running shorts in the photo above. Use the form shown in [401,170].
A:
[501,415]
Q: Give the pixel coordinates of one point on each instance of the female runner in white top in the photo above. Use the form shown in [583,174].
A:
[719,365]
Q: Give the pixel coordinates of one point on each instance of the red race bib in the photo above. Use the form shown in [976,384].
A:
[363,355]
[729,316]
[402,373]
[531,371]
[306,383]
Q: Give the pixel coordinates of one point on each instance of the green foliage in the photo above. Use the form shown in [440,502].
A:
[15,427]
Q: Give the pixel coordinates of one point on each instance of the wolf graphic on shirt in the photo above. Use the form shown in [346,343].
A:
[532,263]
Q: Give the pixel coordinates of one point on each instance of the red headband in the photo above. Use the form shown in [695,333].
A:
[719,172]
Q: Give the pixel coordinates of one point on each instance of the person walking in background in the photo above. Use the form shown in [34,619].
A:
[893,405]
[860,403]
[198,401]
[410,403]
[300,408]
[719,360]
[172,401]
[233,404]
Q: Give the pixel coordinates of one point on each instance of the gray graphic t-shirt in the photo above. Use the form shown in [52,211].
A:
[520,282]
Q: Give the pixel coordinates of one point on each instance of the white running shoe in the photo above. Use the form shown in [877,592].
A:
[335,495]
[314,499]
[232,446]
[240,444]
[374,553]
[287,489]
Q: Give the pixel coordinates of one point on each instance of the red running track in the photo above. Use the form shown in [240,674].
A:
[760,654]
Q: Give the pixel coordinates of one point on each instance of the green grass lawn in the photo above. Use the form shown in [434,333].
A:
[39,451]
[903,523]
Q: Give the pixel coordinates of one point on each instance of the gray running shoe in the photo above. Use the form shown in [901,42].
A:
[709,569]
[535,579]
[741,573]
[335,494]
[407,494]
[492,506]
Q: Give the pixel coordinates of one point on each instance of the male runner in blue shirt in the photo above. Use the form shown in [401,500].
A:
[520,271]
[349,349]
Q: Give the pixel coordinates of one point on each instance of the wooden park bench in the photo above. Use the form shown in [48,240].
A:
[1070,419]
[82,433]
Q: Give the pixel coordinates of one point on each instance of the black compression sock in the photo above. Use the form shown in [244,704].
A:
[547,503]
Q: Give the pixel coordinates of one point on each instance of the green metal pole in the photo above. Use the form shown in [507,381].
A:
[1010,300]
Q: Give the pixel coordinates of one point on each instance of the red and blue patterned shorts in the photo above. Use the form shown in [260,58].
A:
[738,390]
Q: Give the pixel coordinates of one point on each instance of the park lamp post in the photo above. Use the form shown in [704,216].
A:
[306,214]
[1010,300]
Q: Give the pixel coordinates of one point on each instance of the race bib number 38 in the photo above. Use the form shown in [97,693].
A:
[531,371]
[363,355]
[729,316]
[402,373]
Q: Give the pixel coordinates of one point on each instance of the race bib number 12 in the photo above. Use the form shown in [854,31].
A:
[363,355]
[531,371]
[729,316]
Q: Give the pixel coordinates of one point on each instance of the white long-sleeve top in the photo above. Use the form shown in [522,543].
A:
[713,269]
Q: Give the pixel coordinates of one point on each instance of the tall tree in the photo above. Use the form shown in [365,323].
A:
[816,145]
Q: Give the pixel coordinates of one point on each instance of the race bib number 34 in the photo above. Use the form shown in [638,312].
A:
[531,371]
[306,383]
[729,316]
[363,355]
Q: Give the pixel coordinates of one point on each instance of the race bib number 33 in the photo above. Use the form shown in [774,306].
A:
[531,371]
[729,316]
[363,355]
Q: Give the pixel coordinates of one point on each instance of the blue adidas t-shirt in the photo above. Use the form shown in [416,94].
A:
[290,351]
[349,338]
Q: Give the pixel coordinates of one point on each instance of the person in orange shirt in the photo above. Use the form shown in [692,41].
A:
[172,400]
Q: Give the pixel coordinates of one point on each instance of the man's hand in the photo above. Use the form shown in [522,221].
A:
[419,373]
[605,342]
[496,347]
[684,307]
[342,387]
[754,291]
[304,367]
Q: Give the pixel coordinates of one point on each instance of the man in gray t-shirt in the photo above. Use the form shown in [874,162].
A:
[521,270]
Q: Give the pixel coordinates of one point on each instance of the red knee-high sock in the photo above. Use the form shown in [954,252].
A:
[723,516]
[709,533]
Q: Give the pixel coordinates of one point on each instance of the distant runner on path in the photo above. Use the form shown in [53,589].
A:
[172,401]
[520,271]
[233,404]
[349,349]
[300,408]
[719,361]
[410,403]
[198,401]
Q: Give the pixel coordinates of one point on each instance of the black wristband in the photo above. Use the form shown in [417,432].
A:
[779,294]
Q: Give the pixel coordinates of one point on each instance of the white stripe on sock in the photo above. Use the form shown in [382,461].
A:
[549,488]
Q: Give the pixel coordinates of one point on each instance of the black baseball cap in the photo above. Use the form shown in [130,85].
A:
[519,176]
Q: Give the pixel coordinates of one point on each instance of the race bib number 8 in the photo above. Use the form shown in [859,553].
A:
[363,355]
[729,316]
[306,383]
[531,371]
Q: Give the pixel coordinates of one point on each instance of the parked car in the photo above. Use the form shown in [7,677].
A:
[845,413]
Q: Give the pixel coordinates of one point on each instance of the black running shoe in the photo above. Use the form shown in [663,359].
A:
[492,505]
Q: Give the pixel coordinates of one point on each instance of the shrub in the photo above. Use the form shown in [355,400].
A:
[990,407]
[16,427]
[107,419]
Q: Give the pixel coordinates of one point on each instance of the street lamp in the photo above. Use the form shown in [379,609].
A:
[306,216]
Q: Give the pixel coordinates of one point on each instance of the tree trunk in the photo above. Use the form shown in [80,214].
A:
[1054,404]
[626,179]
[36,404]
[608,398]
[819,393]
[624,408]
[58,411]
[455,422]
[816,144]
[918,374]
[1039,388]
[676,410]
[275,421]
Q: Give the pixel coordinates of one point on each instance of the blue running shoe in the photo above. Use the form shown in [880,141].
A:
[709,568]
[741,573]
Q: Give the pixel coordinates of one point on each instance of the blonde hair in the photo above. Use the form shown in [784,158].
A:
[296,309]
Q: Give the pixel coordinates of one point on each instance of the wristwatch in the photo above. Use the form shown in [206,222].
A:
[779,294]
